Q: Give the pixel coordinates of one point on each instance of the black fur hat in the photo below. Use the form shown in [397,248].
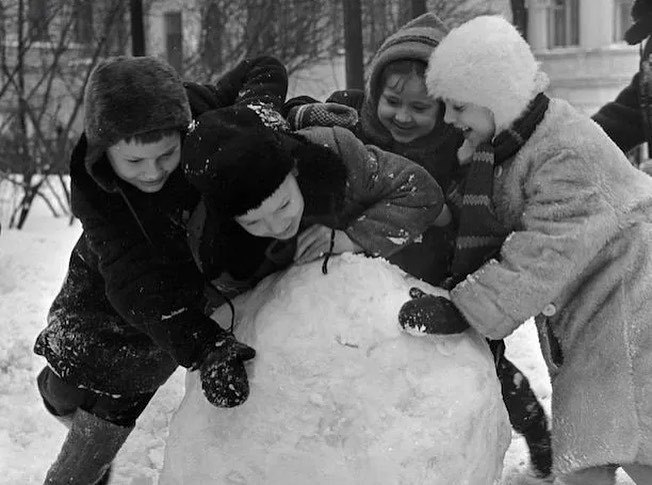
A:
[234,160]
[642,17]
[127,96]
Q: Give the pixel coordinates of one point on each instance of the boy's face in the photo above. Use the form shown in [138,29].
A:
[279,216]
[476,122]
[146,166]
[405,109]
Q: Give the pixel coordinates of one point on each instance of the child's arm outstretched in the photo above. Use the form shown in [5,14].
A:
[259,80]
[397,198]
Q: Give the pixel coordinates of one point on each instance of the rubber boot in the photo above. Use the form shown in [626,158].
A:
[86,455]
[525,414]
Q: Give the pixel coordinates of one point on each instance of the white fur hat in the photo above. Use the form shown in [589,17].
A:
[485,61]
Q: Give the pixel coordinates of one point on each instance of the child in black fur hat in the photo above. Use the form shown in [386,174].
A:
[275,198]
[628,119]
[131,307]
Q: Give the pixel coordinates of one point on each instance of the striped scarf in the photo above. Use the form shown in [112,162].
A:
[480,234]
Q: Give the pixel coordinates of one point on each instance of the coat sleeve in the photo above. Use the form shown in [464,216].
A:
[399,199]
[567,220]
[622,118]
[258,80]
[156,292]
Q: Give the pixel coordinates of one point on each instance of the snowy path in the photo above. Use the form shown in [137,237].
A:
[32,266]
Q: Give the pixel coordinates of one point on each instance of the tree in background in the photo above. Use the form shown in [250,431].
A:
[46,56]
[301,33]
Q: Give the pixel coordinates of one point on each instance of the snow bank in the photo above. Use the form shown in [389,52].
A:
[340,396]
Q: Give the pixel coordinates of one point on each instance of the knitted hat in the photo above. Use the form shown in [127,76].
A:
[485,61]
[414,40]
[127,96]
[642,17]
[234,159]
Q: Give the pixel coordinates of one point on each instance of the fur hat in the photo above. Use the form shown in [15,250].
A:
[414,40]
[485,61]
[234,159]
[642,17]
[127,96]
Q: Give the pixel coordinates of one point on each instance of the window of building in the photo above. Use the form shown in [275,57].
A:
[563,23]
[212,36]
[622,18]
[83,21]
[174,39]
[37,16]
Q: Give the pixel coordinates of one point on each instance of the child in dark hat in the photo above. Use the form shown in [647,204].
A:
[397,114]
[131,307]
[275,198]
[628,119]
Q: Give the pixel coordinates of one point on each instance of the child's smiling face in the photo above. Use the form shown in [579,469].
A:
[146,166]
[405,109]
[475,122]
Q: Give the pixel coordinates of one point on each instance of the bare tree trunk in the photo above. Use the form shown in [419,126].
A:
[519,16]
[418,8]
[137,28]
[353,44]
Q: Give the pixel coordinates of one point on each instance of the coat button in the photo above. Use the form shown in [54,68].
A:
[549,310]
[498,171]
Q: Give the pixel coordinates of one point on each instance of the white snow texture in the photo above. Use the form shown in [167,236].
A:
[339,395]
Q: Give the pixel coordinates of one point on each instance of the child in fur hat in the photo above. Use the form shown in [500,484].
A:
[131,307]
[397,114]
[556,223]
[628,118]
[274,198]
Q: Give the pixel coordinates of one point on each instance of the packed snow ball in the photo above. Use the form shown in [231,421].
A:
[340,395]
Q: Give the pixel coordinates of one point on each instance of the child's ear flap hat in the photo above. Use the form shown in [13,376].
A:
[127,96]
[415,40]
[486,61]
[235,159]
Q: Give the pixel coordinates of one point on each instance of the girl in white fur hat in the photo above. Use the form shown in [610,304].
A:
[555,222]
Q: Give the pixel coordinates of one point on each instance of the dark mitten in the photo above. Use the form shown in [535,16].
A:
[223,374]
[322,114]
[430,314]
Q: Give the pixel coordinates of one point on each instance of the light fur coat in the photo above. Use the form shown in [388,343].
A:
[580,253]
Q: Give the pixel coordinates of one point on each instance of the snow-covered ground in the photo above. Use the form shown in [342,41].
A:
[32,265]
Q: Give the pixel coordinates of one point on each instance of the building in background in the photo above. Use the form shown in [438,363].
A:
[580,46]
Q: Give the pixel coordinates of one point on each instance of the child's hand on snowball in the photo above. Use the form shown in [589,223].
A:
[314,243]
[429,314]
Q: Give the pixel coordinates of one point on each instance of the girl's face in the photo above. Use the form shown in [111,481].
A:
[405,109]
[146,166]
[476,122]
[279,216]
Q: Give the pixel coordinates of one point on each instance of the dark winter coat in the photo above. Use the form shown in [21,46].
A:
[428,259]
[387,203]
[131,306]
[628,119]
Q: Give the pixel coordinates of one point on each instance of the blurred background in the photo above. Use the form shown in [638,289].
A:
[49,47]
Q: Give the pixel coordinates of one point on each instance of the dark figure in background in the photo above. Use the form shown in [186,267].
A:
[628,119]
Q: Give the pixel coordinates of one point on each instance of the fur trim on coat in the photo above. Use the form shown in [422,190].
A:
[580,257]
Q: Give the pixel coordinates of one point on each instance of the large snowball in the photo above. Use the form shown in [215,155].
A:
[339,395]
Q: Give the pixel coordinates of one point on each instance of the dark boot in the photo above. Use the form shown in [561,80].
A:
[86,455]
[525,413]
